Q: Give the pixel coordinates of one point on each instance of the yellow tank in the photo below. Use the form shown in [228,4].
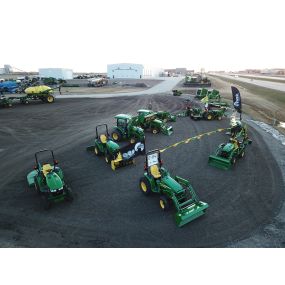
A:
[42,89]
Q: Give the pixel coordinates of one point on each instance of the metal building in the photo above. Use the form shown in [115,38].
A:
[125,70]
[58,73]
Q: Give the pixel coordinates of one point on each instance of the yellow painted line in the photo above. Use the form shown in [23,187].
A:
[198,137]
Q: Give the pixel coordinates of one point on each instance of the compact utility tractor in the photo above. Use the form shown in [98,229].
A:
[176,92]
[127,129]
[198,113]
[155,121]
[5,101]
[48,179]
[176,191]
[227,154]
[113,153]
[196,80]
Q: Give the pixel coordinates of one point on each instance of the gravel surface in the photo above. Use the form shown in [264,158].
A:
[108,209]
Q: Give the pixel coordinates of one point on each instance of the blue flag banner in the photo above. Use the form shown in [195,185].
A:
[236,99]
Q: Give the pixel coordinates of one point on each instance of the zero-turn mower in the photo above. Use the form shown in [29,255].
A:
[113,153]
[48,179]
[176,191]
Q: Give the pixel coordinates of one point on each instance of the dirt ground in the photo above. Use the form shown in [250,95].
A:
[109,210]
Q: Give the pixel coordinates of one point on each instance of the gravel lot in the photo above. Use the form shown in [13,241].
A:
[109,210]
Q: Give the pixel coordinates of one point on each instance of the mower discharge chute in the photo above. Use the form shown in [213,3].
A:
[113,153]
[157,179]
[48,180]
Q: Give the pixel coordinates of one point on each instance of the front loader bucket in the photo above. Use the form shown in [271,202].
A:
[120,162]
[219,162]
[190,213]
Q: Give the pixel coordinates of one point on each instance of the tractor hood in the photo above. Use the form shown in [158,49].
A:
[171,183]
[228,147]
[112,146]
[53,181]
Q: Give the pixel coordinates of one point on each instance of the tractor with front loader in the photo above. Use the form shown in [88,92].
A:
[127,129]
[114,155]
[48,179]
[227,154]
[155,121]
[177,92]
[5,101]
[197,113]
[172,190]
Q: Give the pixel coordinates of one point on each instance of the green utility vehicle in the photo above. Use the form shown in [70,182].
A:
[227,153]
[177,190]
[105,146]
[176,92]
[5,101]
[148,120]
[127,129]
[198,113]
[196,80]
[48,179]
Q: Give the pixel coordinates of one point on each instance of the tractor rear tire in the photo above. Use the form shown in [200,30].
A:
[116,136]
[164,203]
[145,186]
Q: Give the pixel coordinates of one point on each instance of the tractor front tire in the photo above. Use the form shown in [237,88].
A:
[154,131]
[108,158]
[69,195]
[116,136]
[233,160]
[209,117]
[145,186]
[242,154]
[97,151]
[164,203]
[46,202]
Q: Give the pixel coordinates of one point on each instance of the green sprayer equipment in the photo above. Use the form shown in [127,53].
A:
[177,190]
[48,179]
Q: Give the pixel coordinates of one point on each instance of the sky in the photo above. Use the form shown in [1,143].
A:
[87,35]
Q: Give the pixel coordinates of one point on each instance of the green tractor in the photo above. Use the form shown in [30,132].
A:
[149,120]
[176,92]
[48,179]
[5,101]
[201,93]
[127,129]
[177,190]
[198,113]
[165,116]
[113,153]
[227,153]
